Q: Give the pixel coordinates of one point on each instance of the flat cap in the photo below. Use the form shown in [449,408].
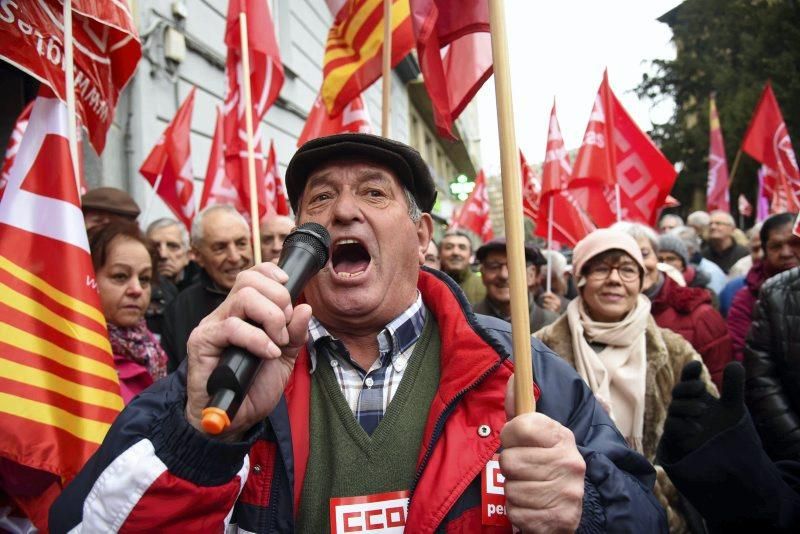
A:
[112,200]
[532,254]
[405,161]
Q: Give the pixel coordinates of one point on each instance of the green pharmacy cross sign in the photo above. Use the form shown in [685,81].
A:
[462,187]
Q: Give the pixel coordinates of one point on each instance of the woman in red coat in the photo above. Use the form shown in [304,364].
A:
[684,310]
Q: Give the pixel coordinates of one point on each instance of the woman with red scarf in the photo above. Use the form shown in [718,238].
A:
[125,266]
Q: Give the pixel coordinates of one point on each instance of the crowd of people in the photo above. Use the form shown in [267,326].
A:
[667,366]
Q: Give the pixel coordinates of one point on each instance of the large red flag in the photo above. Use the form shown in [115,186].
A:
[168,168]
[106,51]
[767,140]
[570,222]
[354,48]
[455,54]
[218,188]
[531,189]
[353,118]
[474,214]
[59,391]
[644,175]
[717,195]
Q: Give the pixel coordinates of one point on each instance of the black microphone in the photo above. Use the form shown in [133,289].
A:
[305,252]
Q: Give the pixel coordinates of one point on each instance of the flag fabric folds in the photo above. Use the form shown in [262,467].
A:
[455,54]
[13,146]
[59,391]
[616,152]
[474,214]
[106,52]
[717,194]
[531,189]
[353,118]
[273,187]
[168,168]
[354,48]
[767,140]
[570,222]
[217,187]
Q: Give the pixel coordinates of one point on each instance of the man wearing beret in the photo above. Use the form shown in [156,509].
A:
[104,204]
[381,401]
[494,273]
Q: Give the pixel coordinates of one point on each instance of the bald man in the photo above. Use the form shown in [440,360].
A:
[274,229]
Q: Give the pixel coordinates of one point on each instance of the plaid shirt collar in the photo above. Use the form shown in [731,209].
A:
[402,332]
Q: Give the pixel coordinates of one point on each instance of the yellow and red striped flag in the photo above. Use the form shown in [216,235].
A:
[353,52]
[59,391]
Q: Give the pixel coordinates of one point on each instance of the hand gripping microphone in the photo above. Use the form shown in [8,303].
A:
[305,252]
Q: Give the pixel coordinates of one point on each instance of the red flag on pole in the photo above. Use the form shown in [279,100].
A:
[275,192]
[474,214]
[767,140]
[168,168]
[570,222]
[644,175]
[717,195]
[353,118]
[106,53]
[531,189]
[455,54]
[218,188]
[745,208]
[59,391]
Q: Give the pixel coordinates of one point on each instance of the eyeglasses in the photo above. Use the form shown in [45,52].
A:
[601,271]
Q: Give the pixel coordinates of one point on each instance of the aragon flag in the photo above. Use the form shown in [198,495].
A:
[616,152]
[106,52]
[353,51]
[59,391]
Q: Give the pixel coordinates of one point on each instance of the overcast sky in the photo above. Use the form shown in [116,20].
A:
[559,49]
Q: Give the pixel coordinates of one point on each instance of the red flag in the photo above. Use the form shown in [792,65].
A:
[460,29]
[354,118]
[13,146]
[474,214]
[276,194]
[767,140]
[570,222]
[59,391]
[531,189]
[745,208]
[106,51]
[168,168]
[266,79]
[354,47]
[218,188]
[717,196]
[645,177]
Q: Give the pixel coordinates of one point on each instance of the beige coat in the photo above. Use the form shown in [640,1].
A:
[667,353]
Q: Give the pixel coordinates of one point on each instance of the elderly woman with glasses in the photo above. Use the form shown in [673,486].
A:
[610,338]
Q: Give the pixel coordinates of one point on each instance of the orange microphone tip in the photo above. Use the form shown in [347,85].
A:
[215,420]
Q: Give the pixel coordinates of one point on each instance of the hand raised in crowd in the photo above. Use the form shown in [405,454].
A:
[260,297]
[550,301]
[695,416]
[543,470]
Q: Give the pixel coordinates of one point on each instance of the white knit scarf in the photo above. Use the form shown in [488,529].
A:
[616,375]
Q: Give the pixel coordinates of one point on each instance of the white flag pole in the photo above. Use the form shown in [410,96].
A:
[251,156]
[151,198]
[549,242]
[69,90]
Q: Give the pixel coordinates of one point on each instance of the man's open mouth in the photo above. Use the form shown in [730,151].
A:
[350,258]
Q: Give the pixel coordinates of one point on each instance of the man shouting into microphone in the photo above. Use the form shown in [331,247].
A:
[381,401]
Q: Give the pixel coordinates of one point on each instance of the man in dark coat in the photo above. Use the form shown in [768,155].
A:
[221,246]
[720,247]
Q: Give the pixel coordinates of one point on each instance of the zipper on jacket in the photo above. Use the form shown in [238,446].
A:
[440,424]
[274,491]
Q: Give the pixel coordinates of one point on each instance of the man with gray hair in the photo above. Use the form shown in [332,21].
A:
[171,240]
[668,222]
[699,220]
[720,247]
[691,241]
[221,247]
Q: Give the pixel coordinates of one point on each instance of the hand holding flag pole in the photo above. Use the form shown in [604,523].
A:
[251,156]
[512,202]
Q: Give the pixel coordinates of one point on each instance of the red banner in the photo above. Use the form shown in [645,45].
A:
[767,140]
[455,54]
[632,162]
[717,195]
[353,118]
[168,168]
[106,51]
[474,214]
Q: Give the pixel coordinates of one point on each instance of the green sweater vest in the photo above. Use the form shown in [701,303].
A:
[345,461]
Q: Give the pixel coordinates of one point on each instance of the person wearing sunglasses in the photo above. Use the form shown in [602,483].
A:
[609,336]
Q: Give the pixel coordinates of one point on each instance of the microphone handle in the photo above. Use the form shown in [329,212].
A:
[231,379]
